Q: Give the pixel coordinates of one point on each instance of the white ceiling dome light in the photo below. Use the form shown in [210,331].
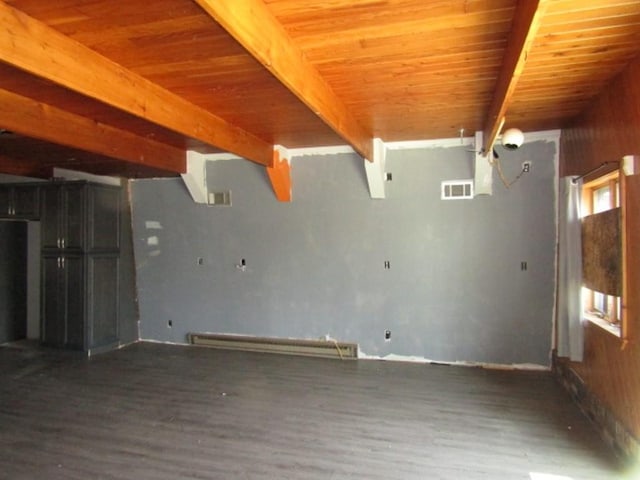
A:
[512,138]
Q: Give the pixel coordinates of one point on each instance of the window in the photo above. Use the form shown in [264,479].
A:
[601,235]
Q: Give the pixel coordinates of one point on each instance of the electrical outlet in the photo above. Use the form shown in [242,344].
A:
[526,167]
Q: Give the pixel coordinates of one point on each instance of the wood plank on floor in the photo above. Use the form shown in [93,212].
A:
[153,411]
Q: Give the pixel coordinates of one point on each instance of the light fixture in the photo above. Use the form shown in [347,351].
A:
[512,138]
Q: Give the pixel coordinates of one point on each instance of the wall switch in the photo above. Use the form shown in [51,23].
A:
[526,167]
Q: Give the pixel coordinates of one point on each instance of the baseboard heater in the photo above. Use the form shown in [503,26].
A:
[309,348]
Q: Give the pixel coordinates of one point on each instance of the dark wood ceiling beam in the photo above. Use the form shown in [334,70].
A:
[34,47]
[526,21]
[38,120]
[21,168]
[253,25]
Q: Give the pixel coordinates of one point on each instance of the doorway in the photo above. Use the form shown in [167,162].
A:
[19,281]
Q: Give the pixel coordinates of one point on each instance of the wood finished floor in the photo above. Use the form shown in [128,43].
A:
[159,412]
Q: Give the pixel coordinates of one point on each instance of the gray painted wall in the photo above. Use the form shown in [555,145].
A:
[455,290]
[128,318]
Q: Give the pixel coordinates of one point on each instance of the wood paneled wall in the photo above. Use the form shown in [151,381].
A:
[607,131]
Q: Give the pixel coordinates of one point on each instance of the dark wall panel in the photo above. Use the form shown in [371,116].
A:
[13,281]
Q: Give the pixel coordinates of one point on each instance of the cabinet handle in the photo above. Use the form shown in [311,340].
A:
[63,261]
[58,259]
[63,243]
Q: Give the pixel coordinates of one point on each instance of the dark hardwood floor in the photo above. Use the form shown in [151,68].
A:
[153,411]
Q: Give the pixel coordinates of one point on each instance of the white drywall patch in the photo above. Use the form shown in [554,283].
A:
[152,225]
[392,357]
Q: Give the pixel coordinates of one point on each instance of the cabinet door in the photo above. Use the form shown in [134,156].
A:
[19,201]
[63,301]
[104,218]
[26,202]
[72,224]
[62,218]
[5,201]
[102,307]
[74,292]
[50,217]
[53,302]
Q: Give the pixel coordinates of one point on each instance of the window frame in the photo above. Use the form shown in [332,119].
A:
[612,319]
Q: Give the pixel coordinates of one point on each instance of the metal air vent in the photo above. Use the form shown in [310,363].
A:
[220,198]
[456,189]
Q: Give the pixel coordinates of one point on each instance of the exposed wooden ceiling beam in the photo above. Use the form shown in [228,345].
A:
[526,21]
[34,47]
[38,120]
[253,25]
[280,175]
[10,166]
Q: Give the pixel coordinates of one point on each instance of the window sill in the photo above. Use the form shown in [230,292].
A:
[612,329]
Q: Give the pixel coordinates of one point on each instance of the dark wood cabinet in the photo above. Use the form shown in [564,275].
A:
[20,201]
[103,229]
[63,300]
[63,216]
[102,300]
[80,231]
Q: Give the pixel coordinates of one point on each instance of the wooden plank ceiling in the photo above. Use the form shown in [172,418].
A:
[125,87]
